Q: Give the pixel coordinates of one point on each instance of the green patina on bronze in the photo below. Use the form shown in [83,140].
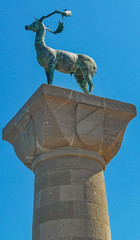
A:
[82,66]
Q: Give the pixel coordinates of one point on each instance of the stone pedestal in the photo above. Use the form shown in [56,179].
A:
[67,138]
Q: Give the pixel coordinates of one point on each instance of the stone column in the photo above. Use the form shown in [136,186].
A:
[67,138]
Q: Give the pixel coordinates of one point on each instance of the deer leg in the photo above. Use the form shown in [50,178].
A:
[50,73]
[81,81]
[91,85]
[47,74]
[83,86]
[88,79]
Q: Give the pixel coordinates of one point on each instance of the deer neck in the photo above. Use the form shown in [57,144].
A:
[39,39]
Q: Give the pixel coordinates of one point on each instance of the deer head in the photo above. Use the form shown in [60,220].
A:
[34,26]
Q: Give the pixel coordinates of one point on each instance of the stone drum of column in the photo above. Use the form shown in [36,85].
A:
[70,198]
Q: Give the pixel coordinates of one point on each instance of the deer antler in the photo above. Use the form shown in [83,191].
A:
[58,30]
[44,17]
[65,13]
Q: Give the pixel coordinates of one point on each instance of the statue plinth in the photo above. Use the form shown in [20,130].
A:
[67,138]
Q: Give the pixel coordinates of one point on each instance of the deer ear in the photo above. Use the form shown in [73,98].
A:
[36,19]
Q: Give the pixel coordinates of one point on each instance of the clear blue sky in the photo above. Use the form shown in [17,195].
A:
[109,32]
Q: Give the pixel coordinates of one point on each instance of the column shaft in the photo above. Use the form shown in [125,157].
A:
[70,200]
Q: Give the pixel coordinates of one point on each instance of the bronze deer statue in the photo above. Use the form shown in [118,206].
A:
[82,66]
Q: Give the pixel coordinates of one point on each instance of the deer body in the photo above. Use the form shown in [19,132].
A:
[47,56]
[82,66]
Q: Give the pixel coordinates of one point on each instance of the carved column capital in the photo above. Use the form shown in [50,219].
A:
[56,118]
